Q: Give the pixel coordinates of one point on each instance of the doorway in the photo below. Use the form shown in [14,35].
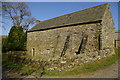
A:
[33,51]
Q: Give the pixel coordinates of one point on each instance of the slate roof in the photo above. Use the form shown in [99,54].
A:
[87,15]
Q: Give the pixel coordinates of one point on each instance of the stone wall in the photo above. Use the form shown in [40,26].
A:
[108,34]
[65,41]
[55,64]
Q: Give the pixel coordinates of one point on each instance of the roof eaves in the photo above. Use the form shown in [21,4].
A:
[61,26]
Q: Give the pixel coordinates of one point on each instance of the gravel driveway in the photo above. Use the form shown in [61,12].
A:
[108,72]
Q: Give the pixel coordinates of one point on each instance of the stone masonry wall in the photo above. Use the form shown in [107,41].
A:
[65,41]
[108,32]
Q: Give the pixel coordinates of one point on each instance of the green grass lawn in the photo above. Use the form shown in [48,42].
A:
[82,69]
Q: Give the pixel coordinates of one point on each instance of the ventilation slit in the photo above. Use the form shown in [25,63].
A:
[82,45]
[66,45]
[99,42]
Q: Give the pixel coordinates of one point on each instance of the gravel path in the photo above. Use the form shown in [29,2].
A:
[108,72]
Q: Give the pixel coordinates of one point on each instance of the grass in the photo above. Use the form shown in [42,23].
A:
[0,57]
[31,57]
[10,65]
[83,69]
[23,69]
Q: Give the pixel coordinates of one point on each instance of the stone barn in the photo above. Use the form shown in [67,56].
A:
[117,39]
[87,32]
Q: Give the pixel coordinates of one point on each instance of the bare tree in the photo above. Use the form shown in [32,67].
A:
[19,13]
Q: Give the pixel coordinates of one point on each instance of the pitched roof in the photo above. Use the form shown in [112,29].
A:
[87,15]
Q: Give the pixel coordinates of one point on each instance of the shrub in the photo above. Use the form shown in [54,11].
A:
[16,39]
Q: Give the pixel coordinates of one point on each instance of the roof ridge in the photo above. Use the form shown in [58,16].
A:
[78,11]
[95,13]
